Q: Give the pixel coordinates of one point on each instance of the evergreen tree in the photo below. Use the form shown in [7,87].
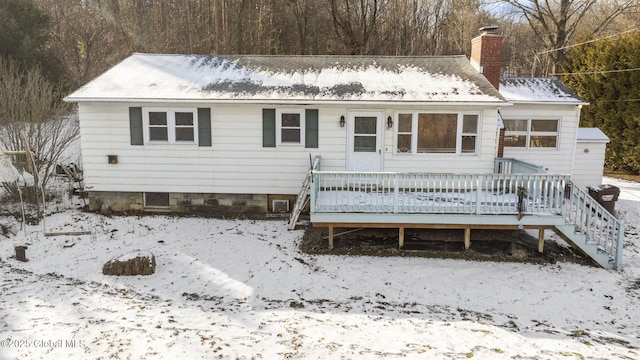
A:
[24,36]
[606,73]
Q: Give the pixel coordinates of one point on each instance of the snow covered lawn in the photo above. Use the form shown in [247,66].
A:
[242,289]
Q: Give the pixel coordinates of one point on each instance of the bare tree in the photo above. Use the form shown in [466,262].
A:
[519,60]
[357,24]
[556,21]
[460,23]
[32,108]
[414,26]
[83,39]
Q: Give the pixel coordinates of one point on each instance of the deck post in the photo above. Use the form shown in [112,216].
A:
[396,190]
[541,240]
[479,183]
[330,237]
[401,237]
[467,238]
[619,245]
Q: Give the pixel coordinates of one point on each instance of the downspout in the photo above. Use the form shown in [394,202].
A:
[501,132]
[575,139]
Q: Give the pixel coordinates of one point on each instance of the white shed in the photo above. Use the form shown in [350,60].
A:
[588,162]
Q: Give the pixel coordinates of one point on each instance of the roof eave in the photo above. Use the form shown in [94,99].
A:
[497,102]
[541,102]
[593,141]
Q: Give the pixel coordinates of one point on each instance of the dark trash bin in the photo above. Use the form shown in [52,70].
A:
[21,253]
[606,195]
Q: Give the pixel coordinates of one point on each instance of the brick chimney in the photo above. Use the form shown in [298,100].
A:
[486,54]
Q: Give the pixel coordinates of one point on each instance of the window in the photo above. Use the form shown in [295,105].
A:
[170,126]
[158,126]
[469,133]
[437,133]
[155,199]
[365,134]
[290,125]
[531,133]
[404,133]
[185,127]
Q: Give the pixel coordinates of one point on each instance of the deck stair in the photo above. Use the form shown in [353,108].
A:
[591,229]
[303,195]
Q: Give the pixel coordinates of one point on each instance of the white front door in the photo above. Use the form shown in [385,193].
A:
[364,145]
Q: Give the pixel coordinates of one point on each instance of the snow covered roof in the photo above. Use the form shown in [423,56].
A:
[592,134]
[538,90]
[230,78]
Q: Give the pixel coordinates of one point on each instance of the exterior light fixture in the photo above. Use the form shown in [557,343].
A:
[389,122]
[342,122]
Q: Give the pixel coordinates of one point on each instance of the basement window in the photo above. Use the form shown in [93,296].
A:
[156,199]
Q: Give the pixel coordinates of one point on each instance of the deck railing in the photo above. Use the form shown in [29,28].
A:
[427,193]
[515,166]
[587,223]
[591,219]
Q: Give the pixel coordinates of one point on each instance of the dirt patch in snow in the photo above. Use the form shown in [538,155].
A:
[486,245]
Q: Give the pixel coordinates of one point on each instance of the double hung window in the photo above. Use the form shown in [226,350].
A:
[290,127]
[171,126]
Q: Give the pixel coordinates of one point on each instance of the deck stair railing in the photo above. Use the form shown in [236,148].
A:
[590,227]
[302,198]
[515,166]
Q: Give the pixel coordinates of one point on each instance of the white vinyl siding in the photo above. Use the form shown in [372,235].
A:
[558,159]
[588,163]
[236,162]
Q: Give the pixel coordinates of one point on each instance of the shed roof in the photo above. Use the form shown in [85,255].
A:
[592,134]
[228,78]
[538,90]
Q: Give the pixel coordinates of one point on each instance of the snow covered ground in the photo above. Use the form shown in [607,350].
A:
[242,289]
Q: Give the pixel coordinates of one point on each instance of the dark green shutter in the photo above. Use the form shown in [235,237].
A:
[311,128]
[268,127]
[135,126]
[204,127]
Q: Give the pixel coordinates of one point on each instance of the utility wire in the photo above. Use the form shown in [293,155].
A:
[597,72]
[613,101]
[590,41]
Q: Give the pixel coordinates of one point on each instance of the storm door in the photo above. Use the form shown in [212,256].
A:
[364,152]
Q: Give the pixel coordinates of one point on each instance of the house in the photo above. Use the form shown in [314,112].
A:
[542,128]
[234,134]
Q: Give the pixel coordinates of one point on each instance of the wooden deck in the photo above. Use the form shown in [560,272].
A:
[437,201]
[466,201]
